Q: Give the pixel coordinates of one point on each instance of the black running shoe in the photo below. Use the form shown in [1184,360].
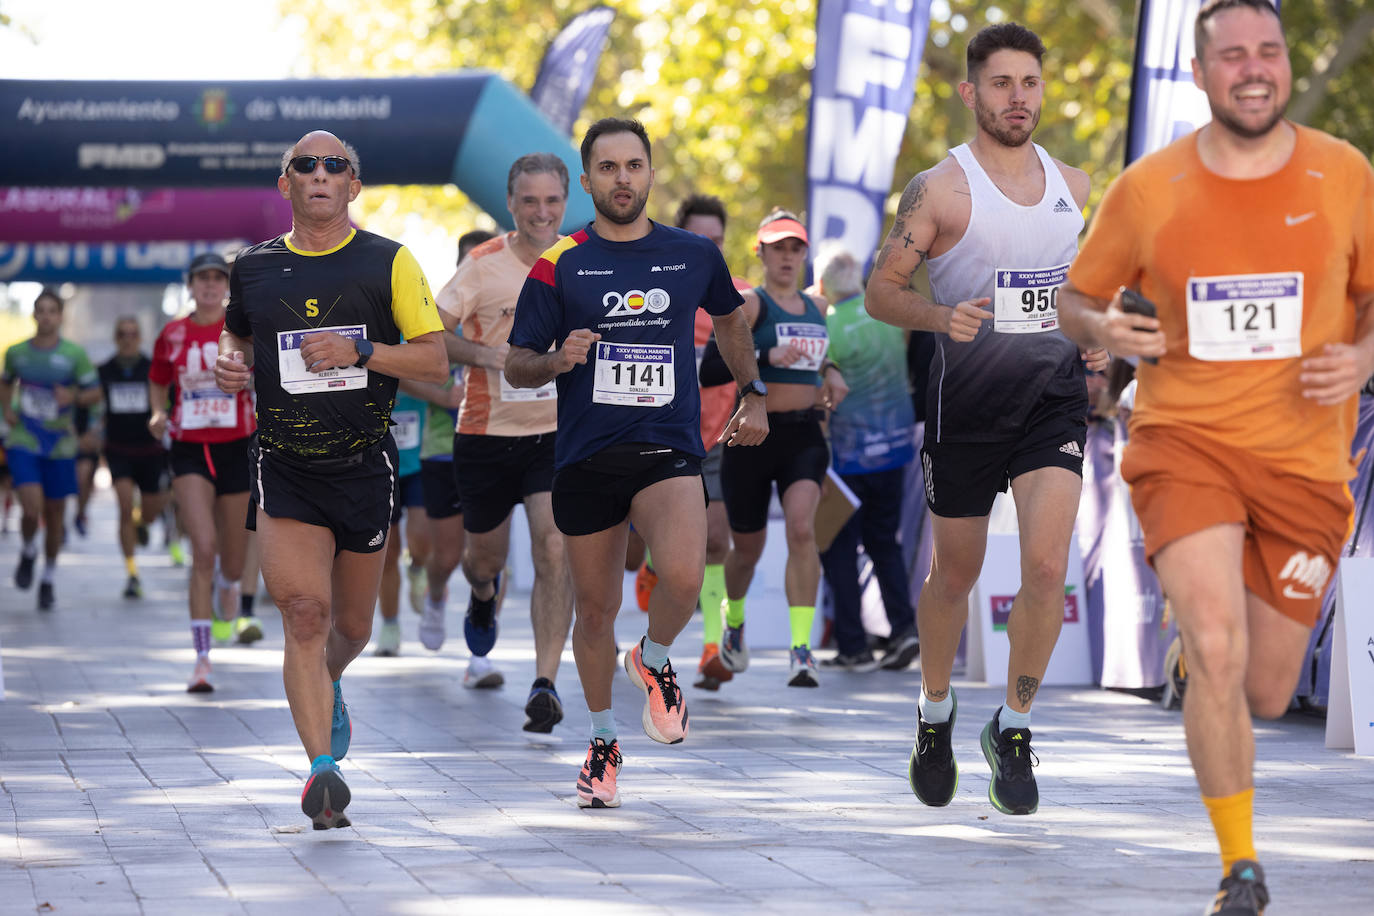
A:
[1242,891]
[543,709]
[46,598]
[1012,789]
[325,797]
[933,772]
[902,650]
[479,627]
[23,573]
[133,588]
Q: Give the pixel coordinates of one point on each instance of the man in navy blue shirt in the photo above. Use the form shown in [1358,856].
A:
[608,313]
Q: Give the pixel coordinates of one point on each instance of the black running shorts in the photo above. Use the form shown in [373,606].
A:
[225,464]
[595,493]
[148,472]
[496,472]
[441,488]
[794,450]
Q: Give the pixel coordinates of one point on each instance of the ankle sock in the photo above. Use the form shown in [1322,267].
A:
[936,712]
[603,724]
[246,605]
[1010,718]
[131,566]
[323,762]
[801,619]
[653,654]
[49,570]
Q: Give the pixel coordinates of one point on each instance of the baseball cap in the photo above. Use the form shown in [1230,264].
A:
[779,229]
[208,260]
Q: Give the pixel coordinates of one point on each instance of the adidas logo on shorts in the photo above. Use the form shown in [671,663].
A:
[1071,448]
[1062,206]
[377,541]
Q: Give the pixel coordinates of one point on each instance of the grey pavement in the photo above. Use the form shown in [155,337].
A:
[125,794]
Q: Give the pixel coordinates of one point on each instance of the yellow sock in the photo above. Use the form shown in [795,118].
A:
[1233,819]
[801,618]
[734,612]
[131,565]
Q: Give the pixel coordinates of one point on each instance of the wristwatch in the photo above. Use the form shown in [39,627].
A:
[364,347]
[755,387]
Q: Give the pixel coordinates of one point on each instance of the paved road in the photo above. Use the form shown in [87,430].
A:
[124,794]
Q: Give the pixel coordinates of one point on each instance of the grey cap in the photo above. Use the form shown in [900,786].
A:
[208,260]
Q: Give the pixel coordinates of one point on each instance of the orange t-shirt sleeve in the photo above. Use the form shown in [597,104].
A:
[1110,255]
[1362,262]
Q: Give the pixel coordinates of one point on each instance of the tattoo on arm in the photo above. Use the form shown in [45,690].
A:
[937,694]
[913,196]
[1026,687]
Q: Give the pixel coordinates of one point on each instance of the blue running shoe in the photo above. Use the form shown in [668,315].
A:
[341,729]
[325,795]
[479,626]
[543,709]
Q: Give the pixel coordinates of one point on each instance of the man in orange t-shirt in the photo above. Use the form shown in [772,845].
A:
[1254,237]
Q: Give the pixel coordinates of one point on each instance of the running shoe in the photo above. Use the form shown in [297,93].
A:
[200,677]
[340,727]
[46,598]
[326,796]
[1008,752]
[176,552]
[665,710]
[543,709]
[734,654]
[23,573]
[645,580]
[596,783]
[133,588]
[933,771]
[901,652]
[479,626]
[221,631]
[858,662]
[79,523]
[433,628]
[711,671]
[1242,892]
[803,668]
[389,639]
[419,585]
[247,629]
[482,674]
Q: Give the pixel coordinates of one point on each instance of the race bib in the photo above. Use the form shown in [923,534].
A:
[810,339]
[38,403]
[1245,316]
[1027,301]
[509,393]
[296,379]
[203,405]
[406,432]
[635,375]
[128,397]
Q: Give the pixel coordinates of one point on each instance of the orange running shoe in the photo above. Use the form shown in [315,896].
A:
[596,783]
[711,671]
[665,710]
[645,580]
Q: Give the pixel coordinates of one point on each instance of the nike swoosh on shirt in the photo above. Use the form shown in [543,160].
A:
[1294,220]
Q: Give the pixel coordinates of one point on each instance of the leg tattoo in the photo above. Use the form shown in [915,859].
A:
[1026,687]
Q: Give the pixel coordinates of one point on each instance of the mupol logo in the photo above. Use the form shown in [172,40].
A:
[666,267]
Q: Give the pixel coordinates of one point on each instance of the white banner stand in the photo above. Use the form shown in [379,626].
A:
[990,603]
[1350,704]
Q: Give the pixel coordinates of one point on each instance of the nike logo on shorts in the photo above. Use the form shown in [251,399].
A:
[1295,220]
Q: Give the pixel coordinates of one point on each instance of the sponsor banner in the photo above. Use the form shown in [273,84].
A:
[106,262]
[867,54]
[133,214]
[465,128]
[569,67]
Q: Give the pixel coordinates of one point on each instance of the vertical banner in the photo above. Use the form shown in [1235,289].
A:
[1165,104]
[569,67]
[867,53]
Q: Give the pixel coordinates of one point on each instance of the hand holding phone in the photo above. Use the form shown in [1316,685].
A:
[1133,303]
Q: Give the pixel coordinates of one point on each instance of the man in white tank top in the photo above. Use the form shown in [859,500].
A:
[997,224]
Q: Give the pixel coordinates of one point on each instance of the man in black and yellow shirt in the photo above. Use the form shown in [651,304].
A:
[317,318]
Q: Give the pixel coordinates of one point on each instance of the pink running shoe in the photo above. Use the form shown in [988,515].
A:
[596,783]
[665,710]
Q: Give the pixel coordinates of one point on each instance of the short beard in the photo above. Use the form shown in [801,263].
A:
[987,120]
[636,208]
[1245,131]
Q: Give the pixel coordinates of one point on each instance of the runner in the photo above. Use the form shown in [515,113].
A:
[53,377]
[443,508]
[790,337]
[325,307]
[997,223]
[617,299]
[1239,450]
[133,455]
[209,432]
[408,419]
[88,422]
[503,447]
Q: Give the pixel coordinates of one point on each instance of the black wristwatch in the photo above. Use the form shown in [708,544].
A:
[364,347]
[755,387]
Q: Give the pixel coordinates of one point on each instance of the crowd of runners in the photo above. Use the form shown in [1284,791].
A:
[319,407]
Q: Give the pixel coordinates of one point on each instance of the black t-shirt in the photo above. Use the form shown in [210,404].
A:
[127,408]
[367,286]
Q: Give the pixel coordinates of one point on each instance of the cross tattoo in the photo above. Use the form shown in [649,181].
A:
[907,241]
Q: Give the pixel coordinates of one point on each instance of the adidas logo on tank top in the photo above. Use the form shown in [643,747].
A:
[1062,206]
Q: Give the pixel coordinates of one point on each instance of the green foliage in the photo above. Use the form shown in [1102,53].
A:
[724,88]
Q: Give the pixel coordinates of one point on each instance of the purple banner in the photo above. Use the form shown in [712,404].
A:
[569,67]
[139,215]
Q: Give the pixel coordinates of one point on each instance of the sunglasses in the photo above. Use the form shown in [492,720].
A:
[332,164]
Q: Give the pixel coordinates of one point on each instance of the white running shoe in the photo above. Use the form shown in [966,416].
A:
[482,674]
[200,677]
[432,624]
[389,639]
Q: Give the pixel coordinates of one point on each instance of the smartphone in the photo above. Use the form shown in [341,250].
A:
[1134,303]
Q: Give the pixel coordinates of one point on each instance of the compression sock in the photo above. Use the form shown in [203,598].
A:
[131,566]
[734,612]
[1233,819]
[200,637]
[653,654]
[712,593]
[936,712]
[603,724]
[801,619]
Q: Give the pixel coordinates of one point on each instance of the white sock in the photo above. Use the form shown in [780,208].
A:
[1010,718]
[936,712]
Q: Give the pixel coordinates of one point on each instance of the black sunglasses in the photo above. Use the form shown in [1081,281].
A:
[332,164]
